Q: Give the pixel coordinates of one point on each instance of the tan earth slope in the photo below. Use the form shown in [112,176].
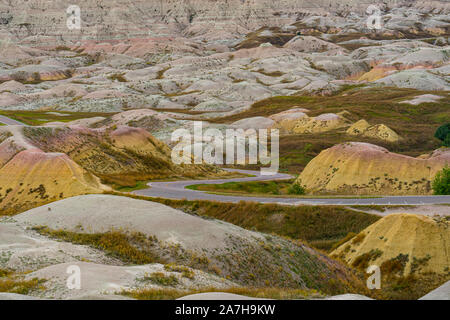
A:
[30,177]
[402,243]
[378,131]
[363,168]
[44,164]
[33,177]
[117,154]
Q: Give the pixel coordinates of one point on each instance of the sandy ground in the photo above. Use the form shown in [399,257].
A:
[441,293]
[25,250]
[100,281]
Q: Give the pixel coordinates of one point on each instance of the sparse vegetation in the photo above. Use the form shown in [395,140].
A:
[138,186]
[117,77]
[279,187]
[36,118]
[320,226]
[12,282]
[296,189]
[443,134]
[159,278]
[362,262]
[358,238]
[394,266]
[185,271]
[131,248]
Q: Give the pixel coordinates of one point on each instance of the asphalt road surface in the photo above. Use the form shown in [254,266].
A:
[176,190]
[10,122]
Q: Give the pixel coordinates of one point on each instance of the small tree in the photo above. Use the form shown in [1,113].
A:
[296,188]
[443,134]
[446,141]
[441,182]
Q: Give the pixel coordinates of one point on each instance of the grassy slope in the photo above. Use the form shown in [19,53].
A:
[320,226]
[12,282]
[36,118]
[250,187]
[272,262]
[261,189]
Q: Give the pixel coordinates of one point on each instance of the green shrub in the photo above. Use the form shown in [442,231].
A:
[443,134]
[441,182]
[161,279]
[446,141]
[297,189]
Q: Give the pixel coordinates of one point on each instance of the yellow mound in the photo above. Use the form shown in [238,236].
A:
[33,177]
[377,73]
[358,127]
[323,123]
[139,140]
[401,244]
[363,168]
[122,155]
[378,131]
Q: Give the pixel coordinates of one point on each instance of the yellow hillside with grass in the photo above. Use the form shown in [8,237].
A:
[34,177]
[363,168]
[401,244]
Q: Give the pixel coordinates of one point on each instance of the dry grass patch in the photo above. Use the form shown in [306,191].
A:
[131,248]
[11,282]
[159,278]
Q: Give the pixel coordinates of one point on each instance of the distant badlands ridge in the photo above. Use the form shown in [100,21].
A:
[118,19]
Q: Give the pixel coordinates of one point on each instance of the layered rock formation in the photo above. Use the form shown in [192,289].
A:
[43,164]
[362,168]
[211,58]
[124,18]
[378,131]
[400,244]
[32,177]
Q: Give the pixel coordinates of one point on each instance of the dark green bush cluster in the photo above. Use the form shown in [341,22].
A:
[443,134]
[441,182]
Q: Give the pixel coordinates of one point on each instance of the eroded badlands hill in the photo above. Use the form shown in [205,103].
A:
[404,246]
[245,257]
[362,168]
[32,177]
[402,237]
[44,164]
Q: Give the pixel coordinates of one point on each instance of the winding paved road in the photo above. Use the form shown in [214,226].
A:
[10,122]
[177,190]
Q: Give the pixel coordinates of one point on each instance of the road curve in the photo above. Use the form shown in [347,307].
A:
[177,190]
[10,122]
